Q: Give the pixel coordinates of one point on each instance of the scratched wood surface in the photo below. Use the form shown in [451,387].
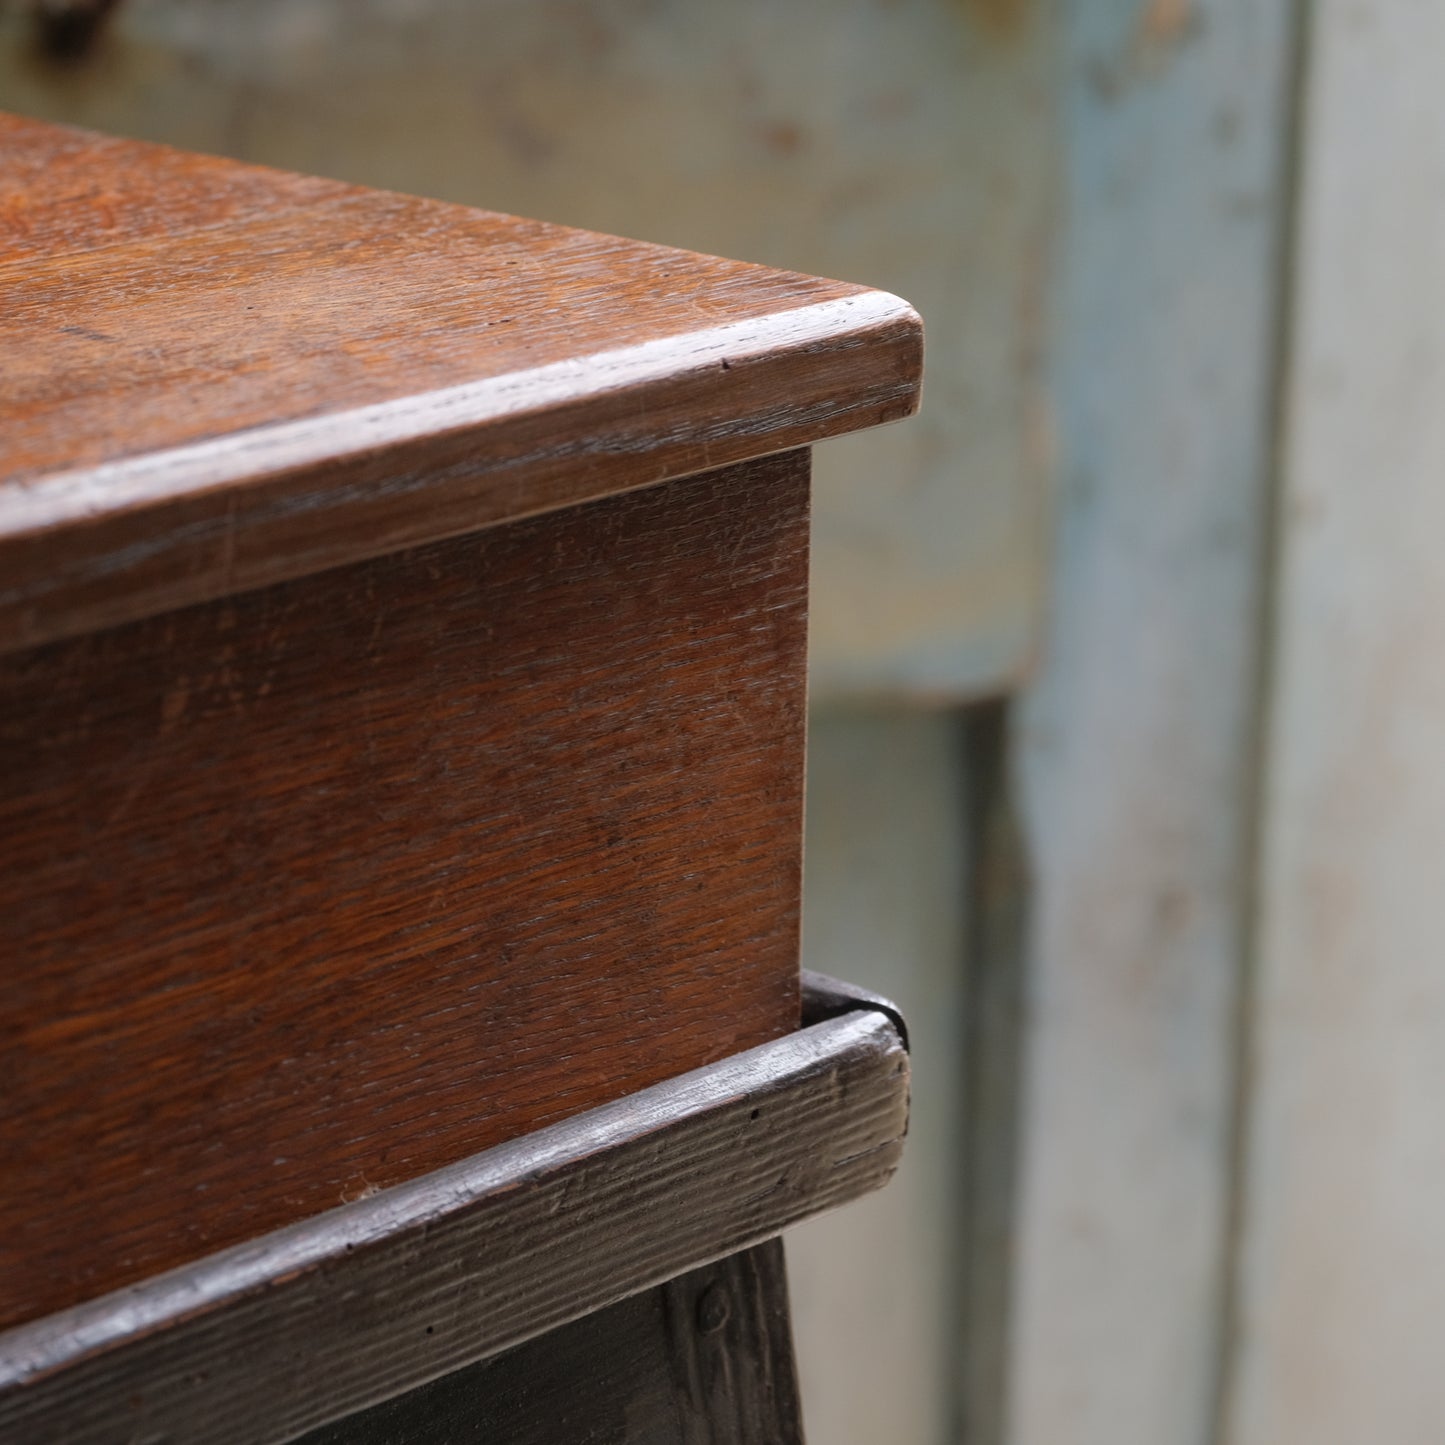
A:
[269,375]
[316,889]
[352,1308]
[914,145]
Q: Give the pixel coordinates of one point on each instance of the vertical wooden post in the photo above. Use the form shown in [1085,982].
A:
[1136,746]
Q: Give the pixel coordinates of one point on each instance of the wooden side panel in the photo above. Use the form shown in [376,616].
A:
[318,889]
[1135,750]
[1343,1266]
[705,1359]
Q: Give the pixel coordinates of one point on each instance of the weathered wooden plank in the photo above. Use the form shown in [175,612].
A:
[264,1341]
[1135,749]
[912,144]
[705,1359]
[1343,1263]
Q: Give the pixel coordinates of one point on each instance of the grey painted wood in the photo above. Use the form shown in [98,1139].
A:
[995,1065]
[1342,1280]
[705,1359]
[262,1342]
[908,145]
[1135,747]
[885,900]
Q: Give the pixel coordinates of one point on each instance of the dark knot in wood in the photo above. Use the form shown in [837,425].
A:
[713,1309]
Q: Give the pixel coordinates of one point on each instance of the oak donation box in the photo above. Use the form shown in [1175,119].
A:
[402,631]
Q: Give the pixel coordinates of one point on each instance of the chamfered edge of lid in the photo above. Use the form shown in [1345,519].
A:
[102,545]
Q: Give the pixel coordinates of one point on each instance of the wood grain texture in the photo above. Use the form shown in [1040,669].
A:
[197,398]
[320,888]
[705,1359]
[915,145]
[324,1318]
[65,192]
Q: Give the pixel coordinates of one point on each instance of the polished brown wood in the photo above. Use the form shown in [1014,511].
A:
[358,1306]
[214,377]
[315,889]
[402,625]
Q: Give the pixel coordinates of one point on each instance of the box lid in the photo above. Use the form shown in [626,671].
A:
[214,376]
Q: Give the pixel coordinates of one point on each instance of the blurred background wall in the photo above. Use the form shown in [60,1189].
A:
[1128,653]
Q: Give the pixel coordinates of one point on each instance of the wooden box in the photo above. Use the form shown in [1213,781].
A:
[402,694]
[403,614]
